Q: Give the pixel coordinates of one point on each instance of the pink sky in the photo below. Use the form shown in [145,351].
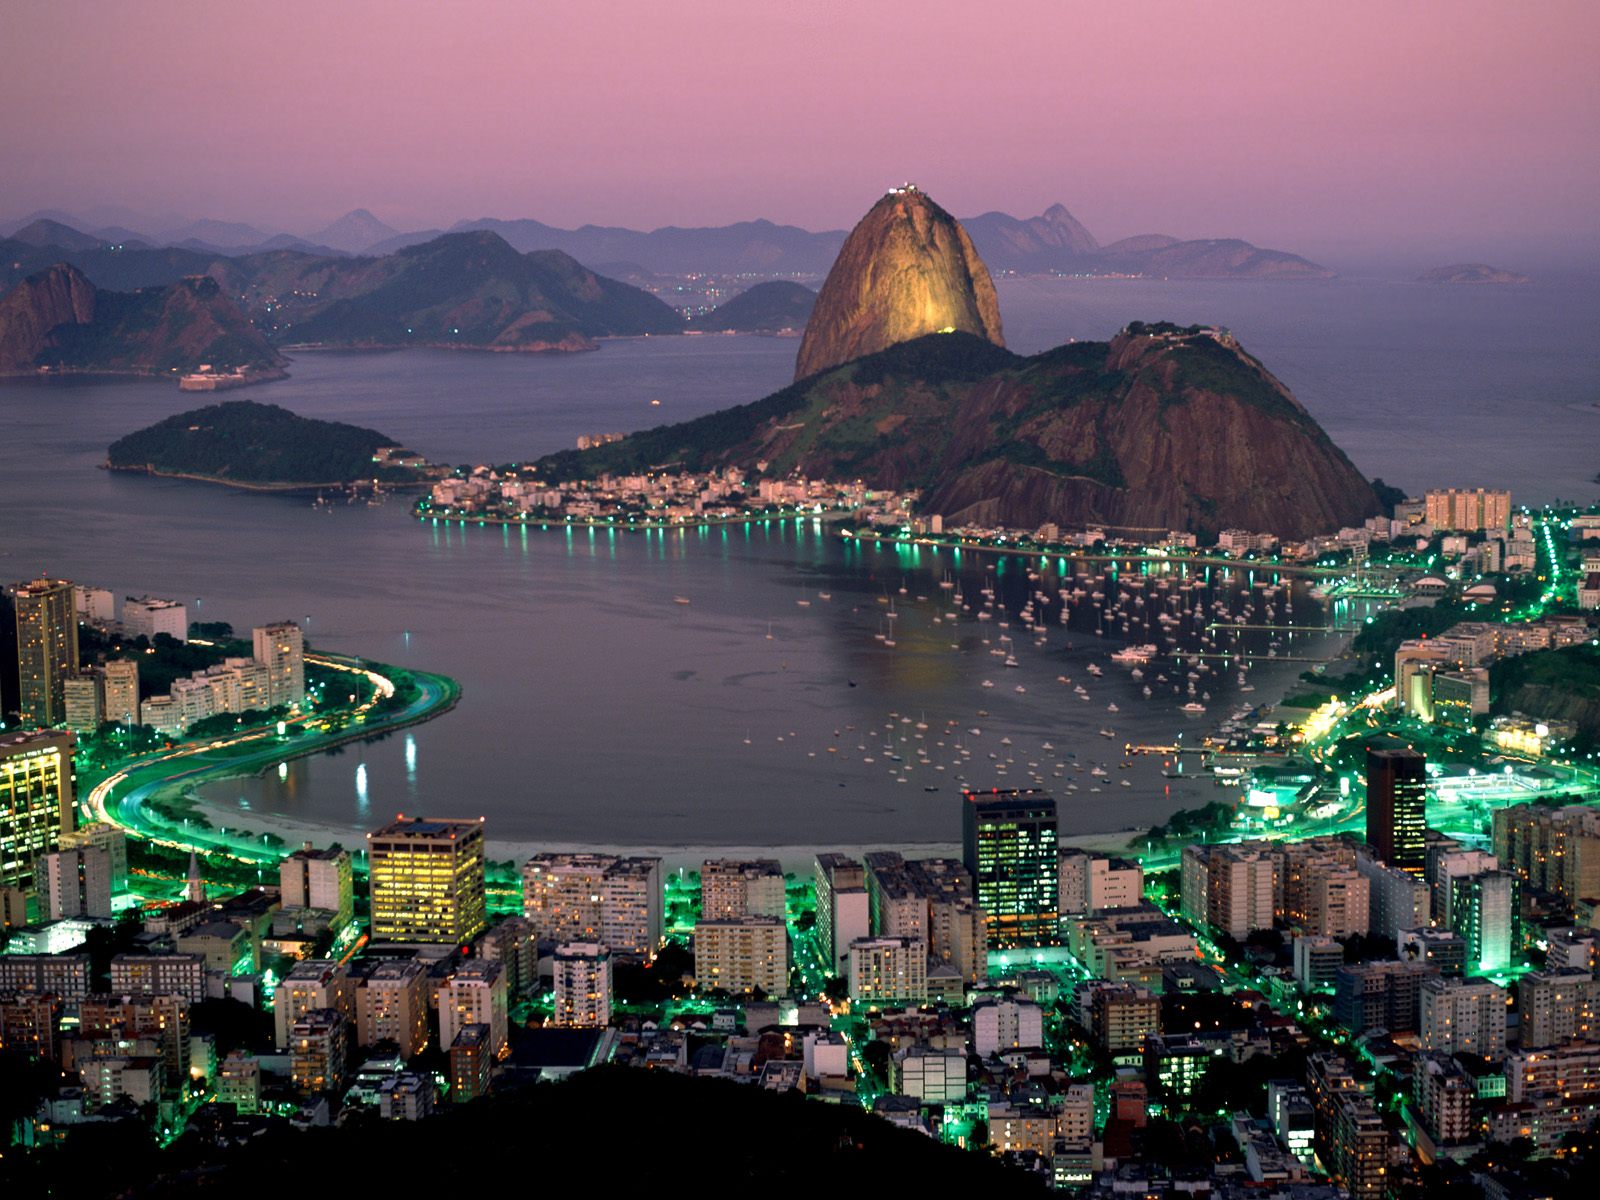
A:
[1303,125]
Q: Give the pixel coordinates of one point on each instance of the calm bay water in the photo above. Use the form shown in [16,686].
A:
[597,711]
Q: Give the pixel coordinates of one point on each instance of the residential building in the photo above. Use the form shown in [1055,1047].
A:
[1121,1017]
[239,1082]
[1397,794]
[147,616]
[843,910]
[318,1051]
[742,955]
[312,985]
[1472,510]
[37,798]
[47,650]
[735,888]
[887,971]
[63,975]
[1485,910]
[1558,1006]
[582,985]
[407,1096]
[1442,1094]
[159,975]
[1009,849]
[28,1022]
[85,703]
[514,944]
[427,880]
[1552,850]
[1231,889]
[1444,869]
[930,1074]
[471,1063]
[1006,1024]
[475,994]
[1396,899]
[1461,1016]
[1338,901]
[281,649]
[392,1006]
[1549,1094]
[321,880]
[1350,1138]
[109,839]
[1436,947]
[1316,961]
[617,902]
[74,883]
[1380,995]
[121,679]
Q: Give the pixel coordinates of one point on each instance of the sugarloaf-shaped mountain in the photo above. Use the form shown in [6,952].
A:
[57,320]
[771,307]
[1161,428]
[907,268]
[462,290]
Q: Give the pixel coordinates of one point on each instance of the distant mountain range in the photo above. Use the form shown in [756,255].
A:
[1052,242]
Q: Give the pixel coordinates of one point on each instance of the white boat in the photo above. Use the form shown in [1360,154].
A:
[803,603]
[1095,671]
[1193,707]
[1134,655]
[680,599]
[1112,707]
[988,683]
[1107,733]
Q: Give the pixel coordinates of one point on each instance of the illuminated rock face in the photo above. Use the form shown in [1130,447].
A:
[906,270]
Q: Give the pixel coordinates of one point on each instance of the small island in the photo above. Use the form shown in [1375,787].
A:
[263,447]
[1472,273]
[777,306]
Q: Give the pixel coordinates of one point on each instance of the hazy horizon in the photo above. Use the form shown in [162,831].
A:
[1352,133]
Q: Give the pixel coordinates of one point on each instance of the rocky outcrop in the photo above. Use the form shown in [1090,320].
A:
[906,270]
[58,320]
[1161,428]
[1471,273]
[779,305]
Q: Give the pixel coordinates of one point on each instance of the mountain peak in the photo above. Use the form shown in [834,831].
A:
[354,232]
[907,269]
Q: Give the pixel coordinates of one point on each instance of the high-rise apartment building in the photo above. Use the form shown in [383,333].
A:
[887,971]
[736,888]
[146,616]
[475,995]
[1350,1138]
[312,984]
[582,985]
[427,880]
[843,908]
[84,696]
[281,649]
[1468,509]
[1398,900]
[109,838]
[1397,797]
[392,1006]
[1009,848]
[1558,1006]
[74,883]
[319,879]
[742,955]
[121,677]
[1229,888]
[1461,1016]
[319,1052]
[37,800]
[617,902]
[1554,850]
[47,650]
[1486,911]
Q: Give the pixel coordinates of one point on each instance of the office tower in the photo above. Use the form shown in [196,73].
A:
[583,985]
[1397,796]
[888,971]
[148,616]
[84,701]
[601,898]
[475,995]
[843,911]
[36,801]
[1462,1016]
[1486,912]
[392,1006]
[742,954]
[427,880]
[1009,848]
[74,883]
[47,650]
[319,879]
[281,649]
[312,984]
[734,888]
[121,678]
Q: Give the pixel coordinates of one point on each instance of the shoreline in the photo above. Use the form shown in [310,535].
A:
[132,375]
[241,485]
[547,523]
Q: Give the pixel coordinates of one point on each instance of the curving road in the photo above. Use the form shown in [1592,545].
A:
[120,798]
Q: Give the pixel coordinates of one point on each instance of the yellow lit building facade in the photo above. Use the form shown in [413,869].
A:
[427,880]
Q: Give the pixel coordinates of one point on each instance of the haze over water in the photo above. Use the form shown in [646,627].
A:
[595,710]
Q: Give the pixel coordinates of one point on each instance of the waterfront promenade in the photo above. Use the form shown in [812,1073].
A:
[123,797]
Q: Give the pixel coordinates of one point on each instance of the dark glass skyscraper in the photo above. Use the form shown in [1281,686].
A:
[1397,804]
[1009,845]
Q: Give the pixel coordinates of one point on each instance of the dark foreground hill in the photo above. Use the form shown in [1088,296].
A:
[619,1131]
[1161,428]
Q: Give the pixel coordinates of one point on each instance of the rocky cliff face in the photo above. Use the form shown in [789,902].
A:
[58,319]
[1161,428]
[906,270]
